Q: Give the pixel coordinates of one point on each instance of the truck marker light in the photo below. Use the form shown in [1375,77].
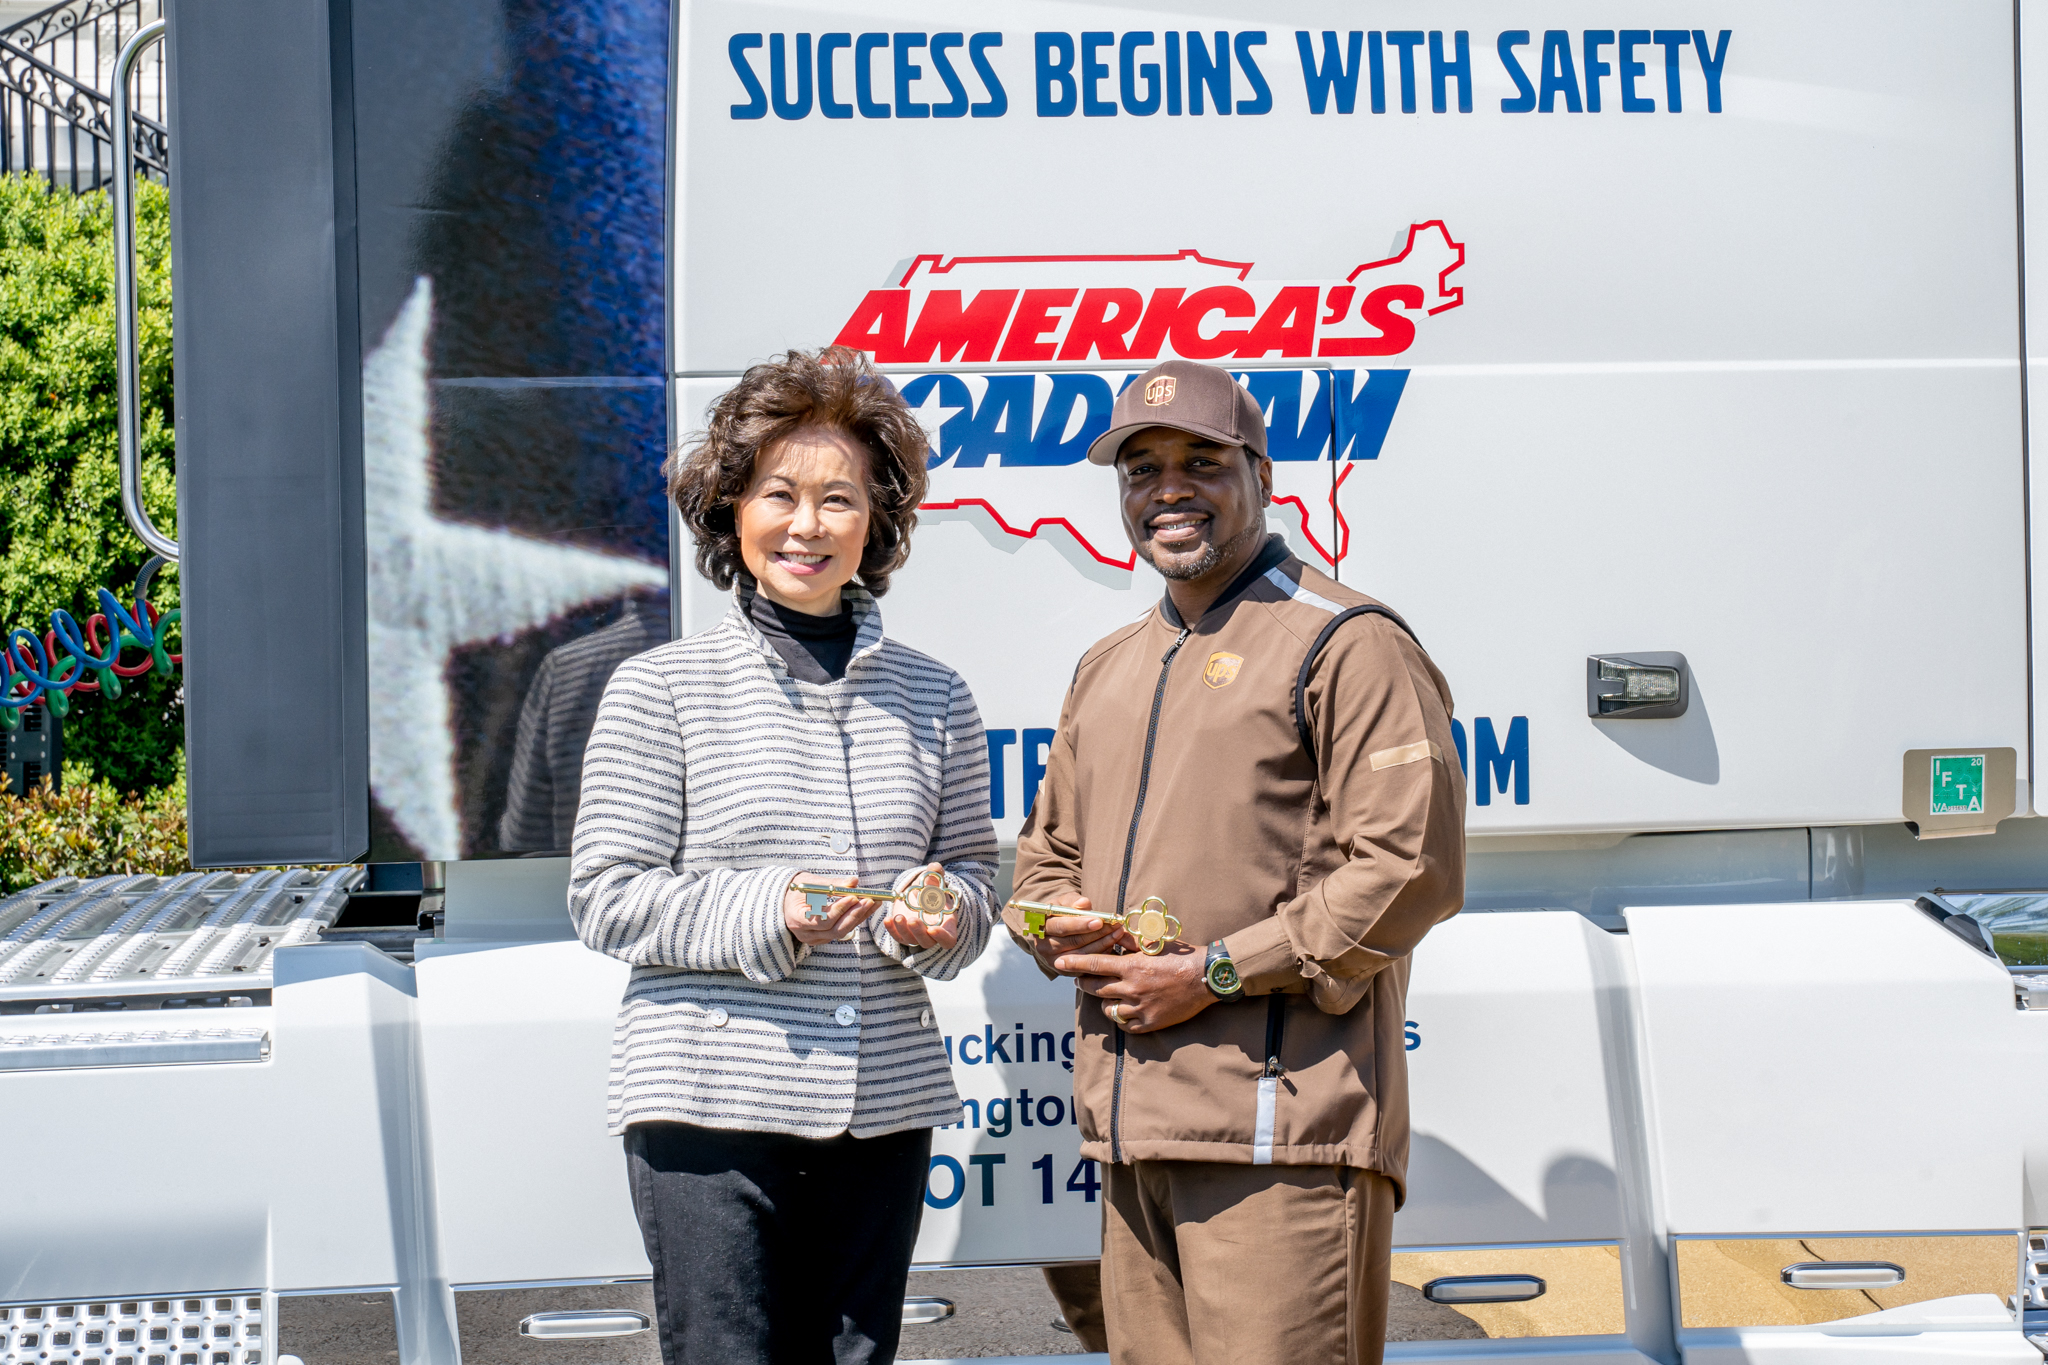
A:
[1640,686]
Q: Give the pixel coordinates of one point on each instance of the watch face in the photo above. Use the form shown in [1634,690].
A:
[1223,976]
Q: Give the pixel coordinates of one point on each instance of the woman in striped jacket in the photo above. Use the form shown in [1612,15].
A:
[776,1076]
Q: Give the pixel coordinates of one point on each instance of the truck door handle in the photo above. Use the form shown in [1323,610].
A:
[1452,1289]
[568,1326]
[1843,1275]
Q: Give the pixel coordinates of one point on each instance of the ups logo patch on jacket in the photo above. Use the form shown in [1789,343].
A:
[1221,670]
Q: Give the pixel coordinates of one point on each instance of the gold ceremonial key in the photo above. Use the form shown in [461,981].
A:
[932,903]
[1149,923]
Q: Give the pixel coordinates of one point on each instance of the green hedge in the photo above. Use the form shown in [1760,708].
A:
[62,535]
[89,830]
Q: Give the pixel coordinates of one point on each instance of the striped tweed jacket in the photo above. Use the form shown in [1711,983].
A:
[712,778]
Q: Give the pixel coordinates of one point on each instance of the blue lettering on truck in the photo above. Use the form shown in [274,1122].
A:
[955,1180]
[1084,1179]
[1194,73]
[1352,408]
[791,71]
[1501,764]
[994,1047]
[1495,764]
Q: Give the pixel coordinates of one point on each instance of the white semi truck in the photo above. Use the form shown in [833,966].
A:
[1668,371]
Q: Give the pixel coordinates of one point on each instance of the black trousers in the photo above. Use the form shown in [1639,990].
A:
[776,1250]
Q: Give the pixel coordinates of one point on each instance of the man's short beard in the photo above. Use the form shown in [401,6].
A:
[1212,554]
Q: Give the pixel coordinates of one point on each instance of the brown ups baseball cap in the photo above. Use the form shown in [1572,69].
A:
[1179,393]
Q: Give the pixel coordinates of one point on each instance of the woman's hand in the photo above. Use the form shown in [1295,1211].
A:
[843,914]
[908,928]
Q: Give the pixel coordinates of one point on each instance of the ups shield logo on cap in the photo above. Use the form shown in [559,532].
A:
[1159,392]
[1221,670]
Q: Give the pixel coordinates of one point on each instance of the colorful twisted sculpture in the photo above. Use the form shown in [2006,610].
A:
[55,665]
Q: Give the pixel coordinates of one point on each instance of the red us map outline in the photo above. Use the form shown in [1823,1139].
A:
[1129,563]
[942,266]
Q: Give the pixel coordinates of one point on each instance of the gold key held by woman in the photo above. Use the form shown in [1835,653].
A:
[932,903]
[1149,923]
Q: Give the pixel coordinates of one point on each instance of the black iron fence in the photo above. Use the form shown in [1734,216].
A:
[56,109]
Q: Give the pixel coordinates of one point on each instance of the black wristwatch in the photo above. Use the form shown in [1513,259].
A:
[1221,974]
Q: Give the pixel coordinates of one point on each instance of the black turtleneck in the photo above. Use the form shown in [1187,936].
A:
[815,649]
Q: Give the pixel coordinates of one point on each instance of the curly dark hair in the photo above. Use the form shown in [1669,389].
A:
[837,389]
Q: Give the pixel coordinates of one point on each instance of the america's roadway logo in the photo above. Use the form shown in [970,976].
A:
[1013,362]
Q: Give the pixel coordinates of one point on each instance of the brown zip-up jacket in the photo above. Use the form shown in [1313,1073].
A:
[1179,771]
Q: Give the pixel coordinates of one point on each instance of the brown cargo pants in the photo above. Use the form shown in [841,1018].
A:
[1077,1289]
[1211,1264]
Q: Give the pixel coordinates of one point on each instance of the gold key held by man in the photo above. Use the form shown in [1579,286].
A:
[1149,923]
[932,903]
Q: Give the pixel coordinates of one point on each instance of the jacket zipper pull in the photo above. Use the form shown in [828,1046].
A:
[1276,1027]
[1178,641]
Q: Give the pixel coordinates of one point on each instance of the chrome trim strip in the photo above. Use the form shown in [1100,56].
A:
[1429,1249]
[1461,1289]
[1843,1275]
[146,1047]
[550,1284]
[1836,1234]
[583,1324]
[337,1289]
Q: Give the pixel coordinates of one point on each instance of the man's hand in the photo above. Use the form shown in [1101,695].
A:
[1076,934]
[842,915]
[1141,994]
[908,928]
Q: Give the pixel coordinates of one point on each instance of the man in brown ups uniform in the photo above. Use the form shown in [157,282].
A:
[1269,753]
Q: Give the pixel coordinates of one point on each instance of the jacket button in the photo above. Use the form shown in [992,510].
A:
[838,842]
[716,1018]
[846,1015]
[924,1019]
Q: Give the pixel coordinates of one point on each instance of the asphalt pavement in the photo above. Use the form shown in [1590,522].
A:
[995,1313]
